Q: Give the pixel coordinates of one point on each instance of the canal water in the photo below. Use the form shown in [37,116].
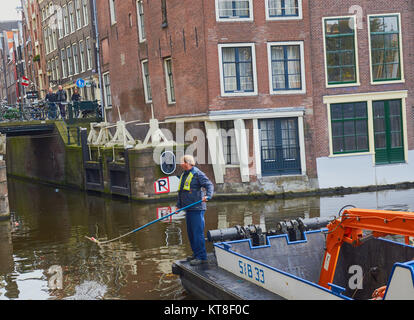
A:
[44,253]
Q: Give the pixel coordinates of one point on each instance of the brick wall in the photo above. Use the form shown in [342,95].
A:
[122,60]
[320,9]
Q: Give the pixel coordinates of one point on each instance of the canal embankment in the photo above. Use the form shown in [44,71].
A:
[61,158]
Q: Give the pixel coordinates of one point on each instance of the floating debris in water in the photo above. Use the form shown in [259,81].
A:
[89,290]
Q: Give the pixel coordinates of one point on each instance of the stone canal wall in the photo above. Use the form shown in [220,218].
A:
[132,173]
[4,198]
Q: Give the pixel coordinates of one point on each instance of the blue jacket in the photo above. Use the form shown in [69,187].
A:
[195,194]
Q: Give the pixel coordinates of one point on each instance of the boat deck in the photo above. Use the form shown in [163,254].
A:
[210,282]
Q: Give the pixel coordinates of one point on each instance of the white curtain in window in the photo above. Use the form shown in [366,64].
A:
[293,66]
[225,8]
[290,7]
[229,69]
[275,7]
[241,8]
[289,139]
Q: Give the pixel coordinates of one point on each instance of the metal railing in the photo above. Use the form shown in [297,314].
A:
[70,112]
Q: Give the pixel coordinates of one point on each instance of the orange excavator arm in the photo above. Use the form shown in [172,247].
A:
[349,228]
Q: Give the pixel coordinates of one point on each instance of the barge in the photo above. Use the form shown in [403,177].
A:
[352,257]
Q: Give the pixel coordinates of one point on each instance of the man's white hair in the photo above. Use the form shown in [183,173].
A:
[188,159]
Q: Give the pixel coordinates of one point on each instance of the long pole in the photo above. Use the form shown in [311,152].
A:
[146,225]
[98,58]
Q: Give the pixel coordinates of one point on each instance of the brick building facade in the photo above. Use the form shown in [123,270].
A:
[69,46]
[269,84]
[120,52]
[34,47]
[362,92]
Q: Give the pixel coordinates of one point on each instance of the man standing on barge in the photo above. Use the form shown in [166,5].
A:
[190,191]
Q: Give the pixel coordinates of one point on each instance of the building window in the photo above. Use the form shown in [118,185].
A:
[349,122]
[282,9]
[112,11]
[388,131]
[57,68]
[59,17]
[54,40]
[45,35]
[141,26]
[107,90]
[75,58]
[340,51]
[147,83]
[78,13]
[85,12]
[164,22]
[71,17]
[228,138]
[64,64]
[69,57]
[89,52]
[82,55]
[280,151]
[385,43]
[287,72]
[234,10]
[238,73]
[66,20]
[169,80]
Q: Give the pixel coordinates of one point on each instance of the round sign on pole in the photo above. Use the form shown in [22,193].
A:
[167,162]
[80,83]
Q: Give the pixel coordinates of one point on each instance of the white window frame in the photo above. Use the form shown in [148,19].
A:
[89,52]
[78,14]
[104,75]
[64,63]
[167,82]
[82,55]
[72,25]
[141,33]
[250,18]
[402,80]
[144,80]
[70,64]
[75,63]
[59,19]
[46,39]
[66,24]
[235,45]
[357,82]
[299,17]
[54,39]
[302,66]
[85,12]
[368,97]
[112,11]
[57,67]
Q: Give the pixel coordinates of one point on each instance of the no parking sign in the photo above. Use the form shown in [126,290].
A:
[166,185]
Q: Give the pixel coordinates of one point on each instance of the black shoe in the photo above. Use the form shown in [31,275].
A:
[189,258]
[197,262]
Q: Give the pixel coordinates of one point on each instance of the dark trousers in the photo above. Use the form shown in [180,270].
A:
[62,108]
[195,230]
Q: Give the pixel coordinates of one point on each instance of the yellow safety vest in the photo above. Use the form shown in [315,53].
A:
[187,182]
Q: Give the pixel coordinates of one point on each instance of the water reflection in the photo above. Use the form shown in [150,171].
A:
[44,253]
